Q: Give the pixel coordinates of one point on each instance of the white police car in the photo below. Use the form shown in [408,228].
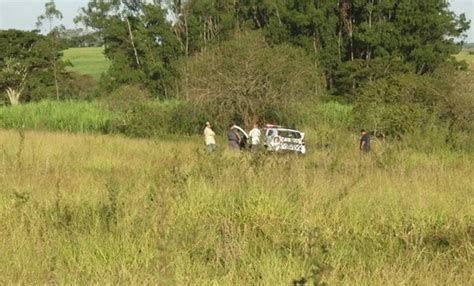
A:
[280,139]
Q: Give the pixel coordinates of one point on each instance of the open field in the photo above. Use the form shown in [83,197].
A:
[91,61]
[88,61]
[464,55]
[468,47]
[92,209]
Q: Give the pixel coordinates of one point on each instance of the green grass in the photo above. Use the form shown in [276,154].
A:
[87,61]
[90,209]
[56,116]
[468,47]
[465,56]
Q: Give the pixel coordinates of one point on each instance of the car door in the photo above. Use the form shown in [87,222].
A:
[291,140]
[271,139]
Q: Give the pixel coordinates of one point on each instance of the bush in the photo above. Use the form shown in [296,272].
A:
[333,113]
[401,104]
[245,80]
[80,87]
[457,103]
[139,116]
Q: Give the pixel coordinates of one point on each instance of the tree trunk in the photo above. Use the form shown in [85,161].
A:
[186,48]
[369,52]
[278,15]
[132,41]
[339,45]
[55,68]
[13,96]
[255,18]
[55,71]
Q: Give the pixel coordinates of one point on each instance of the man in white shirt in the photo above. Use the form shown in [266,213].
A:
[209,137]
[254,135]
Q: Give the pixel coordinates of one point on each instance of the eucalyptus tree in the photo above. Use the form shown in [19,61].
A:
[25,66]
[139,41]
[48,19]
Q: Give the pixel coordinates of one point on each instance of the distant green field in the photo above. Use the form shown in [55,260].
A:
[464,55]
[89,61]
[469,47]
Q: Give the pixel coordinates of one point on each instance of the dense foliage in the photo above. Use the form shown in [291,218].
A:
[338,33]
[25,65]
[244,80]
[138,39]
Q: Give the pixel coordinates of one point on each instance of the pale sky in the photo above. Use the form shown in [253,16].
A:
[22,14]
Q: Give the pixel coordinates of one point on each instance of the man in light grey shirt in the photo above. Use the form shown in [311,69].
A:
[209,135]
[255,135]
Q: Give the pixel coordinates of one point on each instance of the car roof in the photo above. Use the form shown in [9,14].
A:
[283,129]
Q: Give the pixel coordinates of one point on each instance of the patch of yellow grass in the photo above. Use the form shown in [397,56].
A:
[93,209]
[465,56]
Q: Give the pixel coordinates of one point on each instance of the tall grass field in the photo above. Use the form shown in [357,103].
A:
[87,61]
[65,116]
[96,209]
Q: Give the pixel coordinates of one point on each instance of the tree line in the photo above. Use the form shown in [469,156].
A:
[352,41]
[189,49]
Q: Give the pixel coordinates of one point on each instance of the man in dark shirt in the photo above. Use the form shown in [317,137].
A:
[233,138]
[364,144]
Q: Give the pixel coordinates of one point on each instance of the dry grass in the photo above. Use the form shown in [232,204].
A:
[100,209]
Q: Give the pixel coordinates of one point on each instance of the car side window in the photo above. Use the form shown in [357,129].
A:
[296,135]
[270,132]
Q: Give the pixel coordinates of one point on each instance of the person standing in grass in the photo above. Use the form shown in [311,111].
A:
[254,135]
[233,138]
[364,143]
[209,135]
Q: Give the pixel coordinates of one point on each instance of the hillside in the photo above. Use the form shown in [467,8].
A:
[87,61]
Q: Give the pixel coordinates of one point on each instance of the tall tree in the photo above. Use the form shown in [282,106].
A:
[251,80]
[52,14]
[13,77]
[341,33]
[138,39]
[25,66]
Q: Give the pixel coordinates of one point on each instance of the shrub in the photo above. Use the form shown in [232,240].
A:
[398,105]
[333,113]
[80,87]
[244,80]
[457,102]
[140,116]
